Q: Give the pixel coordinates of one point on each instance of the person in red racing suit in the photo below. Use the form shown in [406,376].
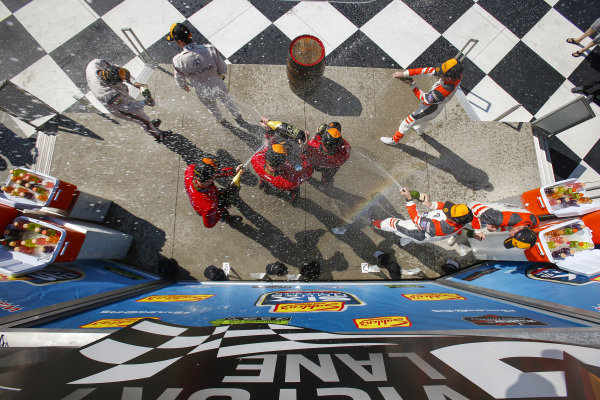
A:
[328,151]
[433,101]
[445,220]
[275,171]
[208,200]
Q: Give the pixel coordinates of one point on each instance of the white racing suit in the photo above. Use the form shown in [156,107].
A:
[115,97]
[432,102]
[202,66]
[426,227]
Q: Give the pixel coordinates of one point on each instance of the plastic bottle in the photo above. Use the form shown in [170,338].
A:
[577,186]
[48,249]
[28,243]
[551,245]
[569,230]
[584,200]
[41,241]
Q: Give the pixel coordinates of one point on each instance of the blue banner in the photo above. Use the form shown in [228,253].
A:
[334,307]
[541,281]
[62,282]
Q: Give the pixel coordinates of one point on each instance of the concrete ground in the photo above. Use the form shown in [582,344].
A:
[456,159]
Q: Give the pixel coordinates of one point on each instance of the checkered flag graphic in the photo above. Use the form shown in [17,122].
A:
[148,347]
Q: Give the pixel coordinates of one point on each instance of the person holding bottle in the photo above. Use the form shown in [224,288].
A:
[445,219]
[208,200]
[328,151]
[107,83]
[277,174]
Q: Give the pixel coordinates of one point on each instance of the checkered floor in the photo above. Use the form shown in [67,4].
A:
[521,56]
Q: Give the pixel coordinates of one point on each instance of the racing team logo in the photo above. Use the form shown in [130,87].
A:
[556,275]
[48,275]
[433,296]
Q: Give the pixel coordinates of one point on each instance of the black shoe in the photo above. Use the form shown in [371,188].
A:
[577,89]
[156,122]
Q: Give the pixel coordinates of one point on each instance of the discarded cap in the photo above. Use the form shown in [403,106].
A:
[310,270]
[214,274]
[276,268]
[450,266]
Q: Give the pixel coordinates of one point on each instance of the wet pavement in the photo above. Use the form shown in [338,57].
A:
[456,159]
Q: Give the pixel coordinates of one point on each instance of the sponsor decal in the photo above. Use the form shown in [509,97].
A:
[433,296]
[296,297]
[10,307]
[382,322]
[48,275]
[310,307]
[114,323]
[552,274]
[152,359]
[251,320]
[404,286]
[501,320]
[167,298]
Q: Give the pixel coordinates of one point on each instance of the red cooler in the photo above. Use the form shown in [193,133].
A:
[564,199]
[28,189]
[566,243]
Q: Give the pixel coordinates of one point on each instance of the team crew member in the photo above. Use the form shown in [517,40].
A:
[445,220]
[494,219]
[207,199]
[275,171]
[108,84]
[328,151]
[295,138]
[433,101]
[204,69]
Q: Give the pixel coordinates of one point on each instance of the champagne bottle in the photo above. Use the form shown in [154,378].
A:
[414,194]
[551,245]
[236,179]
[48,249]
[41,241]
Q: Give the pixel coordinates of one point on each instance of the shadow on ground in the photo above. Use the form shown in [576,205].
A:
[466,174]
[148,241]
[14,150]
[332,99]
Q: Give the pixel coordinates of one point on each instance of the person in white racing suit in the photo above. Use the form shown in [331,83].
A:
[201,67]
[107,83]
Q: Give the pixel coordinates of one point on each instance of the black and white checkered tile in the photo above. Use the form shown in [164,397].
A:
[521,56]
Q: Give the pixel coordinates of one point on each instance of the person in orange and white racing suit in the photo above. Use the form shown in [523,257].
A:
[433,101]
[445,219]
[498,217]
[107,82]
